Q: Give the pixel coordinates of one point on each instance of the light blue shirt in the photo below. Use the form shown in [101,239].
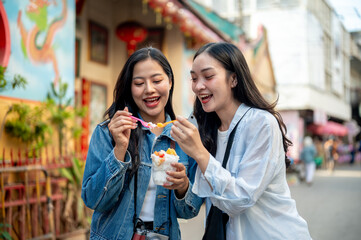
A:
[253,189]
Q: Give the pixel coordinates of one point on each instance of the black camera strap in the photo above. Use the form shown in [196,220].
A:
[135,198]
[217,220]
[230,142]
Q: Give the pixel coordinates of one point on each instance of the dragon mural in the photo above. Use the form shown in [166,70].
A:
[35,46]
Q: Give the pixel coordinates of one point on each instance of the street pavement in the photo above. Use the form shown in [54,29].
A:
[193,229]
[331,205]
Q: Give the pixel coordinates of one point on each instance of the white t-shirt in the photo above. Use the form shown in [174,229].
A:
[221,145]
[147,212]
[221,150]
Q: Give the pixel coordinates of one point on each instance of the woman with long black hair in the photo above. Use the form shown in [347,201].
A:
[240,149]
[117,181]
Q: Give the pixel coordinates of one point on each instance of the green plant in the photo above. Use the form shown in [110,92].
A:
[74,203]
[4,234]
[61,113]
[27,126]
[17,82]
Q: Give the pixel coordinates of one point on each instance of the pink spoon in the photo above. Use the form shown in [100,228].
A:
[145,124]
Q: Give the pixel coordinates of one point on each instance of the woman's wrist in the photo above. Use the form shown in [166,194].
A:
[202,160]
[119,153]
[180,193]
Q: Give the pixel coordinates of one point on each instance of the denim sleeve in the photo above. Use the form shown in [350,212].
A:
[104,175]
[190,204]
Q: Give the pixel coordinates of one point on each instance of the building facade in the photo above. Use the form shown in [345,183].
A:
[85,44]
[310,51]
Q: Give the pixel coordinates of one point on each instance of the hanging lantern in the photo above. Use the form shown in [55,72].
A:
[171,11]
[182,16]
[190,27]
[152,3]
[197,32]
[158,6]
[186,23]
[132,33]
[169,14]
[145,6]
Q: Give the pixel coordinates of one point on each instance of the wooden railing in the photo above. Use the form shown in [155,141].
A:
[31,196]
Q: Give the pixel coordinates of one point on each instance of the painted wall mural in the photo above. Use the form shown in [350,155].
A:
[42,36]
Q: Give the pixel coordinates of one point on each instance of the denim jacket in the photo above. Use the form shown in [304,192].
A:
[107,190]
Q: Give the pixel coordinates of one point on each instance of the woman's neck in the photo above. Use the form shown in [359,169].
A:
[157,131]
[154,119]
[226,115]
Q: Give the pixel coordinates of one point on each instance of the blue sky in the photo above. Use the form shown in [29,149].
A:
[349,12]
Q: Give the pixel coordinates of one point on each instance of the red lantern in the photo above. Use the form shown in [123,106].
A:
[145,6]
[170,14]
[185,22]
[158,6]
[152,3]
[132,33]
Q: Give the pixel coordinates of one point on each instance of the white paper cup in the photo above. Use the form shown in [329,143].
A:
[159,170]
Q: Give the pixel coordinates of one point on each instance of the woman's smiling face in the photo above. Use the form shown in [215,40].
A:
[150,89]
[211,83]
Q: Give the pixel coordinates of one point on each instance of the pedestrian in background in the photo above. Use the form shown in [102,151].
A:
[243,180]
[353,151]
[330,153]
[308,155]
[320,158]
[117,182]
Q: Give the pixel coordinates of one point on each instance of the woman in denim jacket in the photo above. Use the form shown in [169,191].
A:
[120,148]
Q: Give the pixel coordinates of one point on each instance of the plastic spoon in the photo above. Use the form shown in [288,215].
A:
[151,125]
[145,124]
[161,125]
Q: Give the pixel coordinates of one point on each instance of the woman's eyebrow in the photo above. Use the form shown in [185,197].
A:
[203,70]
[152,76]
[156,75]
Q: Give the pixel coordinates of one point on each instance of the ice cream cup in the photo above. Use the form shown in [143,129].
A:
[161,163]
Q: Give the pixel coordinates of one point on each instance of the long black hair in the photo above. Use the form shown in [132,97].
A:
[122,95]
[245,91]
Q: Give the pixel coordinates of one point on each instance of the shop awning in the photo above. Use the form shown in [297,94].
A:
[329,128]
